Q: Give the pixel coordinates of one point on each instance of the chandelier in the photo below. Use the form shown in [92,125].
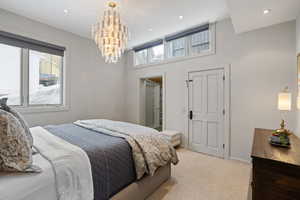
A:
[110,34]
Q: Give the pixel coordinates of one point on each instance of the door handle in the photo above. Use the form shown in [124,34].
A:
[191,114]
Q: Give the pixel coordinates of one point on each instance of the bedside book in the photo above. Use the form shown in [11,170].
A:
[280,141]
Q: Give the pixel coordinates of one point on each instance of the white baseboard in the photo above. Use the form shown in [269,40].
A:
[230,158]
[240,159]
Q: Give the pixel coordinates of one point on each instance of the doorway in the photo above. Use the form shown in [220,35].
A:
[206,104]
[151,102]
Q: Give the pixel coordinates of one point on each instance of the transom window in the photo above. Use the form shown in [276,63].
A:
[151,52]
[31,72]
[192,42]
[176,48]
[200,42]
[156,53]
[141,57]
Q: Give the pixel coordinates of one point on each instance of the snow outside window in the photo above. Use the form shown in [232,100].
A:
[10,74]
[45,78]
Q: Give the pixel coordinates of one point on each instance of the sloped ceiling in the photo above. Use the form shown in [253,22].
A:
[248,15]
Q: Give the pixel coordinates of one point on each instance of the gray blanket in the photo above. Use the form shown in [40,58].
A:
[150,149]
[111,158]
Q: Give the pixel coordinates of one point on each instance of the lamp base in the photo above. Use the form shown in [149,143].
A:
[280,136]
[282,130]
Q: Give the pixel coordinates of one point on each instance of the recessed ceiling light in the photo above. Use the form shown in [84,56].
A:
[66,11]
[150,29]
[180,17]
[267,11]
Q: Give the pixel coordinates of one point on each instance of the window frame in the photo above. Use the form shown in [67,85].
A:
[25,106]
[188,51]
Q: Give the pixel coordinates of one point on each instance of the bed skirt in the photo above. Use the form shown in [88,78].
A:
[143,188]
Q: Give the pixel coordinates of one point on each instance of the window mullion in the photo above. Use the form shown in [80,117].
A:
[148,55]
[188,45]
[25,77]
[165,50]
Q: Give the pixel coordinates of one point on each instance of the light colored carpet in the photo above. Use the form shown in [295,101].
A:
[202,177]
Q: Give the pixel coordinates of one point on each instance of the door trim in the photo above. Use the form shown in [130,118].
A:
[140,102]
[227,92]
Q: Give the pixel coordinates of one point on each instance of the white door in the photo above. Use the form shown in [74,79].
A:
[206,112]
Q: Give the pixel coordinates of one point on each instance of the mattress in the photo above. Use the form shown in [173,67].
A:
[111,158]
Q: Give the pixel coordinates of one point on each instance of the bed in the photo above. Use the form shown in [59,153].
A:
[83,163]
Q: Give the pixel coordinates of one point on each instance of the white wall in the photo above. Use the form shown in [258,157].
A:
[95,89]
[298,33]
[297,52]
[262,63]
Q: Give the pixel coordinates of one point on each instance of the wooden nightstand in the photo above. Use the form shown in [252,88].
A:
[173,136]
[276,170]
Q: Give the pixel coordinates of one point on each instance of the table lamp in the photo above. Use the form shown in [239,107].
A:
[284,105]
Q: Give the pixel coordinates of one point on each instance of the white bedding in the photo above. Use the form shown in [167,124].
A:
[72,167]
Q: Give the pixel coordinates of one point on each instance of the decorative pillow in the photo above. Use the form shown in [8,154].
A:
[4,106]
[15,145]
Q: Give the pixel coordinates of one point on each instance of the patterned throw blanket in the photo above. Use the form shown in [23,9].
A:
[149,148]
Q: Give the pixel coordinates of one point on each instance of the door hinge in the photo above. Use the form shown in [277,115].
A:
[223,111]
[223,77]
[187,82]
[223,146]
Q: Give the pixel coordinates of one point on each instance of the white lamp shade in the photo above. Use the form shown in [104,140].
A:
[284,101]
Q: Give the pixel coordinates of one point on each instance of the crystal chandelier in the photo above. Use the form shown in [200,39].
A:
[110,34]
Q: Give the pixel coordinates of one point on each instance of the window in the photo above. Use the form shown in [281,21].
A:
[156,53]
[31,72]
[177,48]
[10,74]
[149,53]
[141,57]
[197,41]
[45,78]
[200,42]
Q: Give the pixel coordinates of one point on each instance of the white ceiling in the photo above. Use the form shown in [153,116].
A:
[248,15]
[162,16]
[139,15]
